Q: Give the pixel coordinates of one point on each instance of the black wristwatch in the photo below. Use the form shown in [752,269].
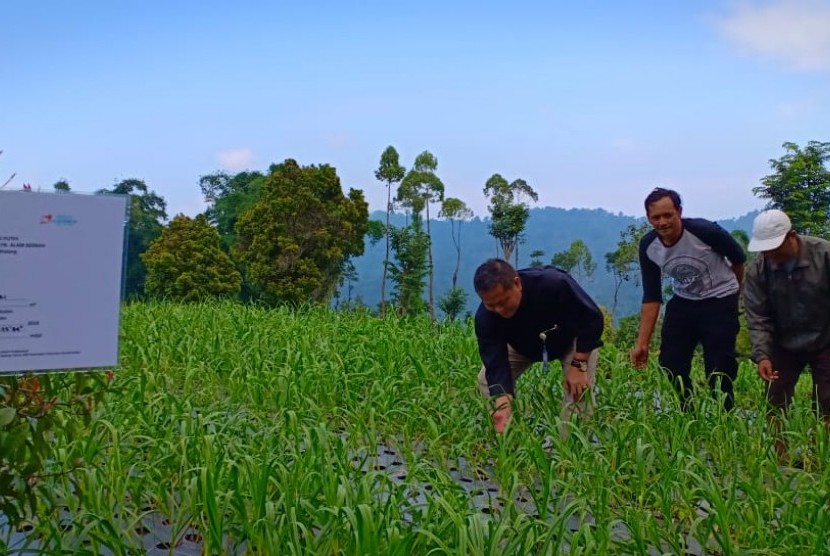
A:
[581,364]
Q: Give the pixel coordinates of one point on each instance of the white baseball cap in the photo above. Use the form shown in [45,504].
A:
[769,230]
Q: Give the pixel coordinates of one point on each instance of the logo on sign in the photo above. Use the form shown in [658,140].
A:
[58,219]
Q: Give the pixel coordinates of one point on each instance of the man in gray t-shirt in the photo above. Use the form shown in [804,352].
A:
[706,267]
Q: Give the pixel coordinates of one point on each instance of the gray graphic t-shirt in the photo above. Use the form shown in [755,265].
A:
[699,264]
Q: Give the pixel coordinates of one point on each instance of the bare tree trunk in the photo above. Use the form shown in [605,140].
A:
[386,260]
[508,250]
[617,284]
[431,273]
[457,251]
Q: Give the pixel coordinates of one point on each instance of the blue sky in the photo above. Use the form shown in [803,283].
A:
[592,103]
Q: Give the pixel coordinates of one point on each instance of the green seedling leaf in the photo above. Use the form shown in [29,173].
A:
[7,415]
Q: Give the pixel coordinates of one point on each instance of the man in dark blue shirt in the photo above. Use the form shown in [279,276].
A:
[706,266]
[523,313]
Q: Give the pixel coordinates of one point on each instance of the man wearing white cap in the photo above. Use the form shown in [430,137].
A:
[787,301]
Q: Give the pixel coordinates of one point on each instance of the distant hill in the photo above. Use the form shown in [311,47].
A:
[549,229]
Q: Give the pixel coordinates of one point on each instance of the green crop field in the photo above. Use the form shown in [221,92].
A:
[240,430]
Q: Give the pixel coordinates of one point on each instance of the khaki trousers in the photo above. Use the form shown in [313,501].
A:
[519,364]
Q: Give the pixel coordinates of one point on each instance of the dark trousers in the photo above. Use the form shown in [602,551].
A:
[713,323]
[790,365]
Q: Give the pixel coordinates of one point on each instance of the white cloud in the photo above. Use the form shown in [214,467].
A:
[235,159]
[795,32]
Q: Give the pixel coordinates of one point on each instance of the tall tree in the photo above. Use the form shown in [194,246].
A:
[453,302]
[147,216]
[420,187]
[61,186]
[294,240]
[408,268]
[187,263]
[509,211]
[455,210]
[228,197]
[624,262]
[390,172]
[348,277]
[536,258]
[800,186]
[576,260]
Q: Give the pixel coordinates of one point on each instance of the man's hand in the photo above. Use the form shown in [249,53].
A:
[502,412]
[639,356]
[576,382]
[766,371]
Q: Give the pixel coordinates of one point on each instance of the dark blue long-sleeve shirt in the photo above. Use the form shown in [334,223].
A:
[552,302]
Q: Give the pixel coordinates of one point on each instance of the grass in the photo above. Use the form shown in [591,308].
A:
[253,431]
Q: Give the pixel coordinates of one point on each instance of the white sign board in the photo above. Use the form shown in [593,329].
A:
[61,257]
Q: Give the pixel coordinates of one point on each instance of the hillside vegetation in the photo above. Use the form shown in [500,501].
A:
[549,229]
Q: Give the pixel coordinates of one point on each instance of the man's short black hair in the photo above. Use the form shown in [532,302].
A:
[660,192]
[491,273]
